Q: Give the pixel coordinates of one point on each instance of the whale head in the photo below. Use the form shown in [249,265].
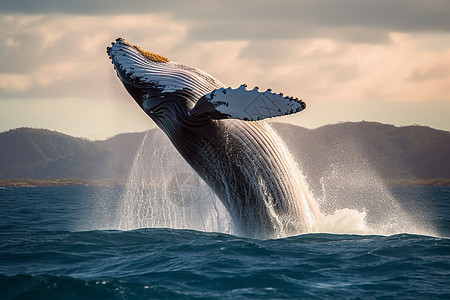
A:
[173,93]
[154,81]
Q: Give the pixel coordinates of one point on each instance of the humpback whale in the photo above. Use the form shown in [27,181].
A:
[221,133]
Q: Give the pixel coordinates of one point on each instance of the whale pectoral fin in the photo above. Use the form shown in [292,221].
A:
[240,103]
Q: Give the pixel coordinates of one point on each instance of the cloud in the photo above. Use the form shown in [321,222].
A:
[333,70]
[44,56]
[431,73]
[14,82]
[53,55]
[235,19]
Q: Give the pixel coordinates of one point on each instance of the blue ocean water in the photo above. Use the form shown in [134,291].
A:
[50,249]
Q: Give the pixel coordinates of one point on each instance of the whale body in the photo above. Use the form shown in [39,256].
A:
[220,132]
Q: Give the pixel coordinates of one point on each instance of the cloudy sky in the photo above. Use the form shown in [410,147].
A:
[351,60]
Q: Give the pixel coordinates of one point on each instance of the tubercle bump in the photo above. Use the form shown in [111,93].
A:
[147,54]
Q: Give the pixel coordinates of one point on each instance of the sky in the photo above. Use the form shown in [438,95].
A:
[351,60]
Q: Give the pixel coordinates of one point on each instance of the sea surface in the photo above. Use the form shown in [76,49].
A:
[52,247]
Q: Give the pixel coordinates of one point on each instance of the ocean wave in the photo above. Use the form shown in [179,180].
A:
[169,263]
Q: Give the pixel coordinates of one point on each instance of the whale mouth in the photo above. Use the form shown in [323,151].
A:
[146,74]
[136,67]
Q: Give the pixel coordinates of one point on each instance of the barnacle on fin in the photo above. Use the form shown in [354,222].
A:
[150,55]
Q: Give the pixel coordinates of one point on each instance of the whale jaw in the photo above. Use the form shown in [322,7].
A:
[149,76]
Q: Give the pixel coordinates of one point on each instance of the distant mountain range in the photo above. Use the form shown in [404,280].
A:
[345,149]
[357,149]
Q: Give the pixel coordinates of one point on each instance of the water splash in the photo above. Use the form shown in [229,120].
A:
[355,200]
[163,191]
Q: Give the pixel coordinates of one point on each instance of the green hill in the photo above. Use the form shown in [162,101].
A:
[394,153]
[412,152]
[40,154]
